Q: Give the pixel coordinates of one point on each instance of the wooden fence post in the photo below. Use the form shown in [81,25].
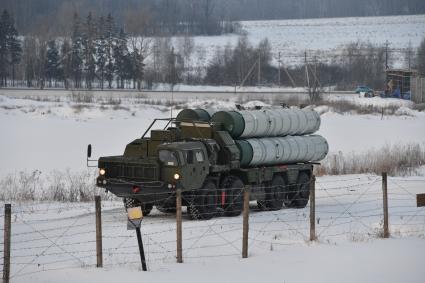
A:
[179,226]
[245,222]
[6,249]
[99,252]
[313,208]
[385,200]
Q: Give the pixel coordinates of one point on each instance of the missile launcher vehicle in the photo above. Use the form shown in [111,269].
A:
[212,156]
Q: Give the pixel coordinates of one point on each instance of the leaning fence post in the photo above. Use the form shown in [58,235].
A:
[313,208]
[6,249]
[245,222]
[99,253]
[179,225]
[385,200]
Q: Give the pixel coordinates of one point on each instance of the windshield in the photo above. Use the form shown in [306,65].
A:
[169,158]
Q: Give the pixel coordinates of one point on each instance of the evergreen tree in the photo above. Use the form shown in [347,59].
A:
[89,37]
[101,51]
[29,47]
[66,62]
[122,62]
[76,52]
[10,47]
[3,48]
[110,43]
[15,51]
[40,63]
[137,68]
[52,68]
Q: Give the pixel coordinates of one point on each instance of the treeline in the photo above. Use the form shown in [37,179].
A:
[100,54]
[355,64]
[170,17]
[146,17]
[98,51]
[97,54]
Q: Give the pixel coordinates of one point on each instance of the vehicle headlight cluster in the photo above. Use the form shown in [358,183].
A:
[102,171]
[176,176]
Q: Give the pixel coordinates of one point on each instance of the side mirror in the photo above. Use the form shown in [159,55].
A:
[89,151]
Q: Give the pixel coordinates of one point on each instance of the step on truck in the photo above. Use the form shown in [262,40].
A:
[211,156]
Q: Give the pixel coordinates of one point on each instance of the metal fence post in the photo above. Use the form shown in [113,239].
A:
[6,249]
[179,225]
[385,204]
[245,222]
[99,252]
[313,208]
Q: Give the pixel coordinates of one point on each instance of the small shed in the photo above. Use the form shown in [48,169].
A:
[417,88]
[398,81]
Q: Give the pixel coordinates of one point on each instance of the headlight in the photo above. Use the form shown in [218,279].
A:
[176,176]
[102,172]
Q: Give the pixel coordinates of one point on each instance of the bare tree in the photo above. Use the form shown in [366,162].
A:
[409,56]
[186,47]
[136,23]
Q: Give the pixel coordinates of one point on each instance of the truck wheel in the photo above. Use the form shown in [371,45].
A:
[233,196]
[130,202]
[204,203]
[274,194]
[299,199]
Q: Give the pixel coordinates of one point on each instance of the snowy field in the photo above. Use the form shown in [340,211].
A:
[293,37]
[53,135]
[55,242]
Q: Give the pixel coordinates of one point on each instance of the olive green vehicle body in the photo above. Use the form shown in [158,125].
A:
[201,152]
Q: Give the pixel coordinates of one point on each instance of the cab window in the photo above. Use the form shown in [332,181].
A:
[168,157]
[189,156]
[199,155]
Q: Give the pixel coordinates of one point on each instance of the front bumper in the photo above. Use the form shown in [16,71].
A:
[146,192]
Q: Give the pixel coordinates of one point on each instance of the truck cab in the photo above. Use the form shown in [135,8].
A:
[185,163]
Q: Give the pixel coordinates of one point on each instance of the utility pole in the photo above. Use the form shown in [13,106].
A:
[279,69]
[259,68]
[306,71]
[386,55]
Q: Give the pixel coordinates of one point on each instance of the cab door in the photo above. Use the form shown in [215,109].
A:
[196,167]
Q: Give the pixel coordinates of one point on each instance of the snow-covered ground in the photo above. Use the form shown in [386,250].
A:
[293,37]
[54,242]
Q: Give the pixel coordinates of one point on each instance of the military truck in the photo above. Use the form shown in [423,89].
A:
[211,157]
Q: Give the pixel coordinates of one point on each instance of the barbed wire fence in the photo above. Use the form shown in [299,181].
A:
[55,236]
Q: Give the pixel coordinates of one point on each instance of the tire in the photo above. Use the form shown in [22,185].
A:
[204,203]
[233,196]
[146,207]
[275,192]
[299,198]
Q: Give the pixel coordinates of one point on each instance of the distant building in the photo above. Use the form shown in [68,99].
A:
[398,82]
